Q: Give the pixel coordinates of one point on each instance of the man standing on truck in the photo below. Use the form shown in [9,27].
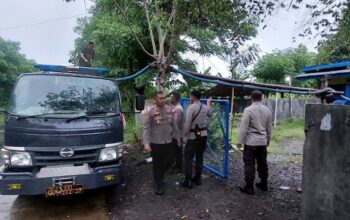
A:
[87,56]
[159,130]
[178,114]
[196,135]
[255,134]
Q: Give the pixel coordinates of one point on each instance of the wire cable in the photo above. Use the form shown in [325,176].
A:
[40,23]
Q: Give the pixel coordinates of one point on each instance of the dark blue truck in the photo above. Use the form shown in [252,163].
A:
[63,133]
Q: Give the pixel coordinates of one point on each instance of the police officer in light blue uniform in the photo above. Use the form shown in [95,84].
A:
[159,130]
[195,132]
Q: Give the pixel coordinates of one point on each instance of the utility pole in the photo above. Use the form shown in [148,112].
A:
[288,80]
[232,112]
[276,108]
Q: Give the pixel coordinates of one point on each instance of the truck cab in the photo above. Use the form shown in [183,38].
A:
[63,133]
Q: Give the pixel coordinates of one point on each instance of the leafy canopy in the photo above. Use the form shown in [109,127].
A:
[12,63]
[336,46]
[274,67]
[206,27]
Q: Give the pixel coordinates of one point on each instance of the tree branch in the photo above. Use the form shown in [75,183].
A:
[171,18]
[130,26]
[290,4]
[150,29]
[173,41]
[160,31]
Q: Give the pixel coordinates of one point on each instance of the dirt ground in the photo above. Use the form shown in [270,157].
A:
[216,198]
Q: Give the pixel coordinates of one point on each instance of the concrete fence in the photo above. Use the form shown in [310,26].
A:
[286,108]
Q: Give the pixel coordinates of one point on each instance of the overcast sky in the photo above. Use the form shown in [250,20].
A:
[45,30]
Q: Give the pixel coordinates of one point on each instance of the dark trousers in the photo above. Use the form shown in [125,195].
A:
[250,155]
[163,158]
[195,148]
[178,156]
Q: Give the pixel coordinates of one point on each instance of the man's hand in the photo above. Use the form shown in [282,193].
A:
[240,147]
[268,143]
[178,142]
[209,102]
[147,149]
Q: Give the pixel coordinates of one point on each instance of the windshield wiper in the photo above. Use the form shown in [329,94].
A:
[39,115]
[92,113]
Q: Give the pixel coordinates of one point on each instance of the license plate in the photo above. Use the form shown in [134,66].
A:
[64,190]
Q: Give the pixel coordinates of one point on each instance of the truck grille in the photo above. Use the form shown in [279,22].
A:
[44,156]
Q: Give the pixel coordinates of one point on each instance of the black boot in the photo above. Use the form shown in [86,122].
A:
[187,183]
[247,190]
[197,179]
[160,189]
[262,185]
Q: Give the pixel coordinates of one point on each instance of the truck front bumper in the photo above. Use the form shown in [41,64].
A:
[27,183]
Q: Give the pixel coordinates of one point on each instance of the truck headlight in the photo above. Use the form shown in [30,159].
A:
[108,154]
[111,152]
[21,159]
[119,147]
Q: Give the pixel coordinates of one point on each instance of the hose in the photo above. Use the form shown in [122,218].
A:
[234,85]
[139,73]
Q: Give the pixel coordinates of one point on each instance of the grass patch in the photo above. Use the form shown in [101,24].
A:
[2,119]
[296,158]
[291,128]
[290,159]
[130,131]
[234,131]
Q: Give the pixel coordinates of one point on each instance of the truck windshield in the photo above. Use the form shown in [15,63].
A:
[65,96]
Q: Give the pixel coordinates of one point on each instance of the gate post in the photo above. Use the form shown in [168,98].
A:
[326,167]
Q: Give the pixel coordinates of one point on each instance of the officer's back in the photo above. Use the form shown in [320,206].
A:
[202,112]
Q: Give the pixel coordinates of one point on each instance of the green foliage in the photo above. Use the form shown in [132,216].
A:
[12,63]
[115,46]
[336,47]
[2,119]
[204,27]
[239,64]
[273,67]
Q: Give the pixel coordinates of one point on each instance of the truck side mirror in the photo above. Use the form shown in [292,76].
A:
[140,102]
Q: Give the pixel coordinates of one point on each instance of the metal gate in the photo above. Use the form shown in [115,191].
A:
[216,154]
